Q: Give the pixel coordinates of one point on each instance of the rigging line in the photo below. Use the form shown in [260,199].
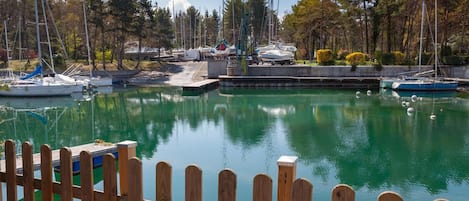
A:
[57,31]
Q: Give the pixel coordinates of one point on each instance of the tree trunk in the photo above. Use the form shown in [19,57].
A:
[366,28]
[103,49]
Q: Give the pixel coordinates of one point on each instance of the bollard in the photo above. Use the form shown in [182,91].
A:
[125,151]
[286,177]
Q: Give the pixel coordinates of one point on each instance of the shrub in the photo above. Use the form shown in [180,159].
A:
[324,57]
[399,57]
[426,59]
[387,59]
[108,54]
[453,60]
[445,51]
[355,58]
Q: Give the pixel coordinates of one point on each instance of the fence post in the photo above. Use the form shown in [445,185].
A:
[125,151]
[286,176]
[10,156]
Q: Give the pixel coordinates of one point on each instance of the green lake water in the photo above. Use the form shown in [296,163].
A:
[368,142]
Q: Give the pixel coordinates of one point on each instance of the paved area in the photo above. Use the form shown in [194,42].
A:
[176,74]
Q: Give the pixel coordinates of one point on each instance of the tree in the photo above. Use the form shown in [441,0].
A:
[143,17]
[123,12]
[97,15]
[259,22]
[212,23]
[232,20]
[165,33]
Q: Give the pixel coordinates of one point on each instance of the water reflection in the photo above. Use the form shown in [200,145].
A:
[369,142]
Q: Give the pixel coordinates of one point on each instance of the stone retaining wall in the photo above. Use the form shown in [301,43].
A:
[216,68]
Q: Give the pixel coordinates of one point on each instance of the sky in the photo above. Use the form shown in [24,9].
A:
[283,6]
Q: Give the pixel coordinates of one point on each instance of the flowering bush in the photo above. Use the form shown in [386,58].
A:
[324,57]
[355,58]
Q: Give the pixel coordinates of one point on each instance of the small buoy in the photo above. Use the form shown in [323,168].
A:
[441,109]
[410,110]
[407,104]
[433,116]
[403,103]
[413,98]
[357,97]
[368,93]
[357,93]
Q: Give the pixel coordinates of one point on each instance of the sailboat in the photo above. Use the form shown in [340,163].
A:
[427,84]
[36,84]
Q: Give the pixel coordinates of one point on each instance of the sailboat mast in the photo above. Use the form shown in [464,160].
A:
[436,39]
[421,34]
[38,36]
[6,43]
[87,36]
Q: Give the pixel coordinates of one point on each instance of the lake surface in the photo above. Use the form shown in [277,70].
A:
[368,142]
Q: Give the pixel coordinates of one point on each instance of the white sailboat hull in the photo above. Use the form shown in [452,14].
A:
[39,88]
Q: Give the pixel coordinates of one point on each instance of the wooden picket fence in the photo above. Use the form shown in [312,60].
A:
[289,187]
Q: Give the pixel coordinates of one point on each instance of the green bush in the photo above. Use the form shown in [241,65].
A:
[388,59]
[325,57]
[426,59]
[453,60]
[107,53]
[445,51]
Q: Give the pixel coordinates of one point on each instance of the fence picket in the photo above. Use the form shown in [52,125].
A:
[28,172]
[193,183]
[262,188]
[135,190]
[389,196]
[226,185]
[302,190]
[110,177]
[343,192]
[46,173]
[86,176]
[66,174]
[10,156]
[163,181]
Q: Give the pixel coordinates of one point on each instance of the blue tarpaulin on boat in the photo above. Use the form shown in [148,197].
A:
[37,71]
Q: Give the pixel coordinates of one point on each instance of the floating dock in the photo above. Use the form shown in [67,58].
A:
[96,150]
[197,88]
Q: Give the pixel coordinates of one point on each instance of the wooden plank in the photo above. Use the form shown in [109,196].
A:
[66,174]
[136,189]
[10,155]
[46,173]
[28,173]
[163,181]
[193,183]
[110,177]
[389,196]
[262,188]
[343,192]
[96,149]
[226,185]
[86,176]
[302,190]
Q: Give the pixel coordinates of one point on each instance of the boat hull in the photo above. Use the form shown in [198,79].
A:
[40,90]
[425,86]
